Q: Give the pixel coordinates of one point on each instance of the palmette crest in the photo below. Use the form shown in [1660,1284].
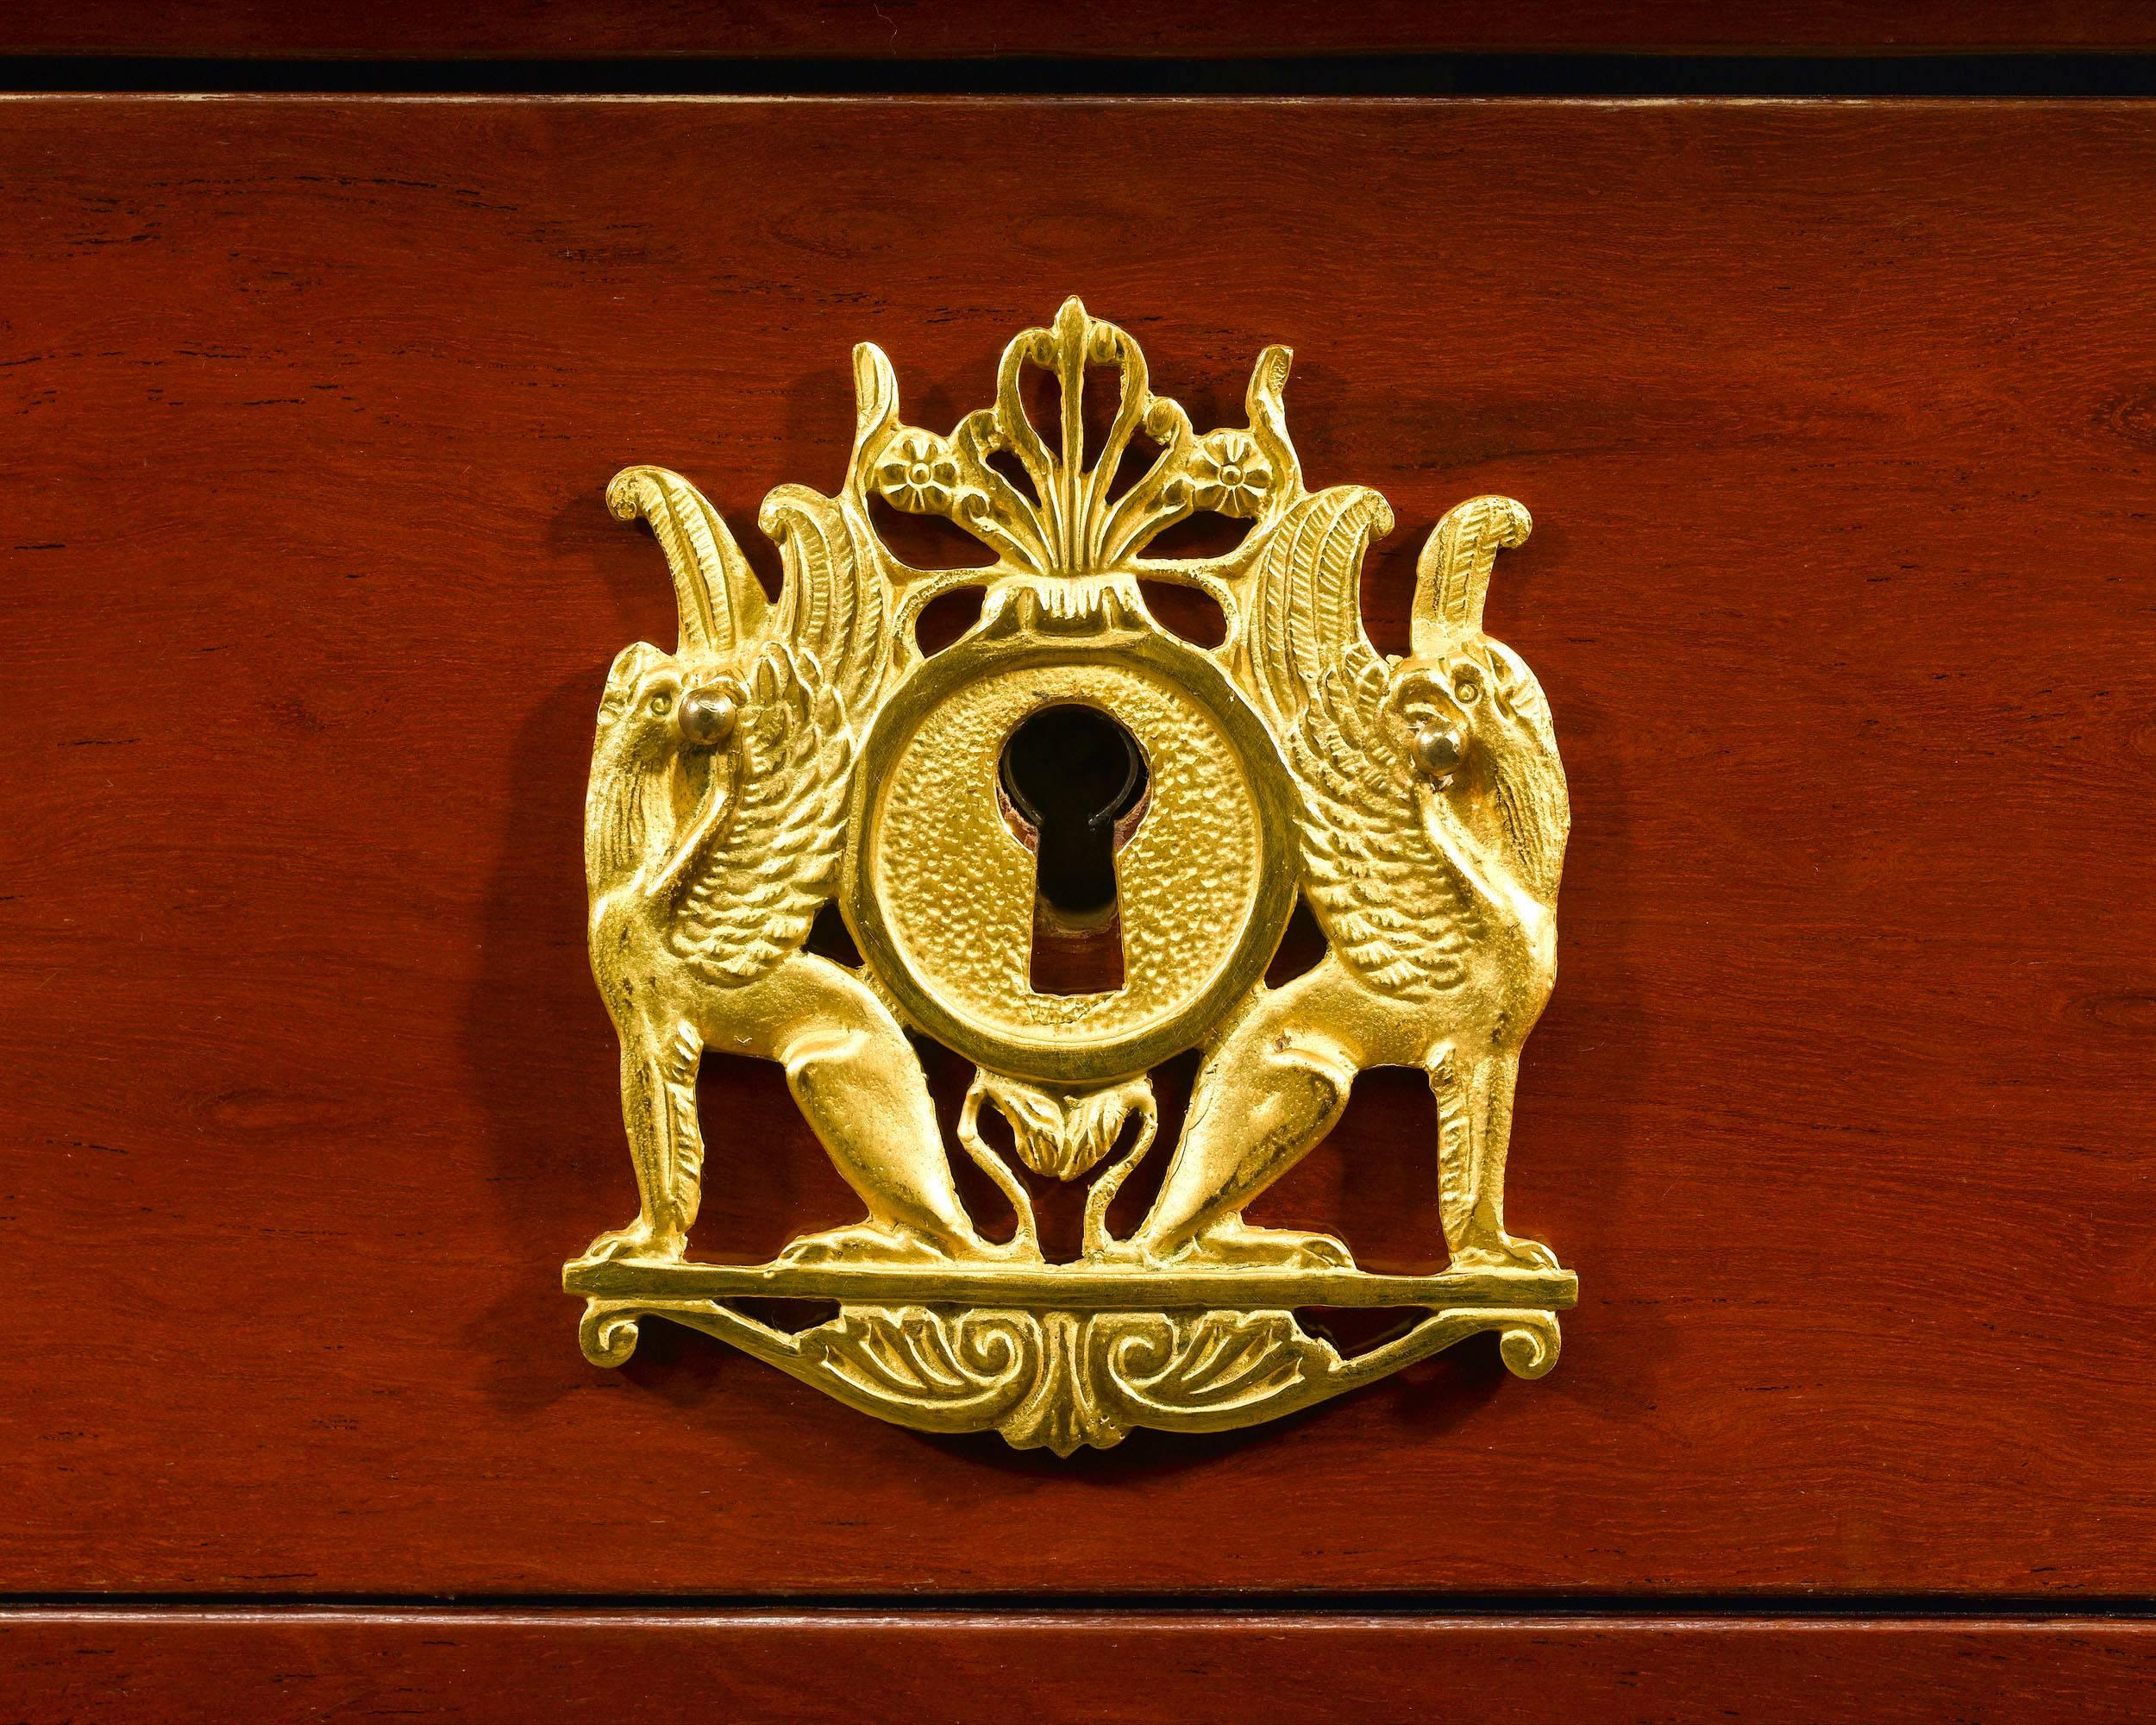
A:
[1064,513]
[795,752]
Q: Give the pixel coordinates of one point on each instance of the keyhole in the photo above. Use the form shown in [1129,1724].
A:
[1073,789]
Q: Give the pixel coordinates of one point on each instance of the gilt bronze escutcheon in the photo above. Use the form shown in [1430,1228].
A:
[787,754]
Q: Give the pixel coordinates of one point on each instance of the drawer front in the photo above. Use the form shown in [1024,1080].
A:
[1838,424]
[182,1666]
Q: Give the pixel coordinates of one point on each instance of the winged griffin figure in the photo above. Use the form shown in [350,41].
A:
[1433,824]
[712,835]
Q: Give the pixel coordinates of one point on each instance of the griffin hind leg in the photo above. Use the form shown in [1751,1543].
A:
[859,1085]
[1474,1130]
[658,1087]
[1269,1091]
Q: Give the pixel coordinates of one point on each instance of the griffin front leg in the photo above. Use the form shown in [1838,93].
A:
[1474,1131]
[658,1080]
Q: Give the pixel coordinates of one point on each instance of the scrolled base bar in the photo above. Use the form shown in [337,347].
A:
[1050,1369]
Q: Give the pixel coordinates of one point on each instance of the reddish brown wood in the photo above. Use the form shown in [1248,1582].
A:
[527,1668]
[918,30]
[1837,422]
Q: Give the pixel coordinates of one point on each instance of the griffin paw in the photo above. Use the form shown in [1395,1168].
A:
[864,1242]
[1235,1242]
[1017,1250]
[1507,1252]
[1126,1254]
[640,1242]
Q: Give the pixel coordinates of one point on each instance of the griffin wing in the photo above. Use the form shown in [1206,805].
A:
[752,902]
[837,604]
[1306,603]
[1383,893]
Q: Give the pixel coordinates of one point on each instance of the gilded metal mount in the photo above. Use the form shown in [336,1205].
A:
[791,752]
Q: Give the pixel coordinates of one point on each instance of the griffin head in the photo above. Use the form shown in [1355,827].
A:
[669,722]
[1456,715]
[693,697]
[1466,709]
[657,704]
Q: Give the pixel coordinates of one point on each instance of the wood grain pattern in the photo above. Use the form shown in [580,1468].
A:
[1142,1668]
[916,29]
[1838,424]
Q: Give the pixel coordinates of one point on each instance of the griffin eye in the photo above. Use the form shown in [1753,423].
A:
[662,704]
[1468,688]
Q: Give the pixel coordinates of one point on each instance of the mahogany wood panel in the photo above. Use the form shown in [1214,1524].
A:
[915,29]
[1838,423]
[525,1668]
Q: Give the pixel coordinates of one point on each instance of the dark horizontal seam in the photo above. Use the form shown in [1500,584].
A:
[1780,1607]
[1407,74]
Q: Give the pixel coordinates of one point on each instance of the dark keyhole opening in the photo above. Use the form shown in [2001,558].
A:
[1073,786]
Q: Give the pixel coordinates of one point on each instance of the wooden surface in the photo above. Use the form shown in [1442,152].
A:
[1838,423]
[185,1667]
[905,29]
